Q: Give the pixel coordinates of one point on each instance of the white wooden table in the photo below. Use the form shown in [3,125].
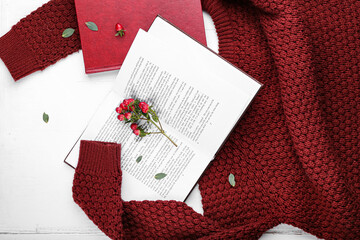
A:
[35,184]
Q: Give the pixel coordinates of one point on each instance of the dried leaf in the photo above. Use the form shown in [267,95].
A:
[45,117]
[68,32]
[92,26]
[138,159]
[160,176]
[232,179]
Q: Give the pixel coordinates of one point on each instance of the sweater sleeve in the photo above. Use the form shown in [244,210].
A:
[97,190]
[97,186]
[36,41]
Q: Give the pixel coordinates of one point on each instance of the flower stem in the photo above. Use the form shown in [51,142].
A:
[160,123]
[163,132]
[158,119]
[160,128]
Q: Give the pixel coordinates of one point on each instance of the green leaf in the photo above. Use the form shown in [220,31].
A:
[68,32]
[92,26]
[143,134]
[145,114]
[45,117]
[160,176]
[154,116]
[138,159]
[138,111]
[232,179]
[134,118]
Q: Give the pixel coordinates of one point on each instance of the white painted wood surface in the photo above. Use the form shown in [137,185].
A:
[35,185]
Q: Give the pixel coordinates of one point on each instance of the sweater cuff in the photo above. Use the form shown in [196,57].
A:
[17,56]
[99,157]
[225,31]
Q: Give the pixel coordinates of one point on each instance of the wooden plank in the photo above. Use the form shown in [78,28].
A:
[282,231]
[266,236]
[53,236]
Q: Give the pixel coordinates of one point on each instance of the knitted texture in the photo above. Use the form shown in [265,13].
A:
[97,190]
[295,154]
[97,184]
[35,42]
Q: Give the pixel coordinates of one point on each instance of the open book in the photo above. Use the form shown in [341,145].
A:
[198,96]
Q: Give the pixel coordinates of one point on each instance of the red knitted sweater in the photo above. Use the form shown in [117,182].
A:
[295,155]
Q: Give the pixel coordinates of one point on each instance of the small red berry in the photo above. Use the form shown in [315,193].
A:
[128,101]
[123,106]
[120,31]
[134,126]
[118,110]
[121,117]
[128,115]
[137,132]
[144,107]
[132,108]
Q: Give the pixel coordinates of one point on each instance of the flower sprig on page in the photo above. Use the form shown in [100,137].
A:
[133,111]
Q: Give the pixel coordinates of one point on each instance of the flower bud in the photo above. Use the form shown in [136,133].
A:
[127,115]
[134,126]
[118,109]
[144,107]
[121,117]
[123,106]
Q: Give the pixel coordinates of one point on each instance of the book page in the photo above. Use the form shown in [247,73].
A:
[194,101]
[197,107]
[180,106]
[183,164]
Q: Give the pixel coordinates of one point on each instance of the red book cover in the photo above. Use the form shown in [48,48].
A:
[103,51]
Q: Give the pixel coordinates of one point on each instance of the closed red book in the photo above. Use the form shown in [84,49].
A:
[103,51]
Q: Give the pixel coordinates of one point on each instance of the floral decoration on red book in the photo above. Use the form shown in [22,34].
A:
[120,30]
[134,111]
